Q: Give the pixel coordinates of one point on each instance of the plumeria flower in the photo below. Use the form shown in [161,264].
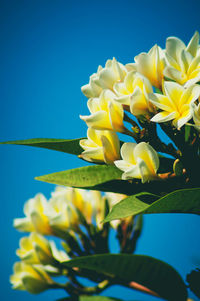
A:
[92,89]
[195,110]
[35,219]
[134,93]
[106,113]
[63,215]
[36,249]
[183,62]
[175,103]
[101,146]
[139,161]
[31,278]
[83,200]
[151,65]
[104,78]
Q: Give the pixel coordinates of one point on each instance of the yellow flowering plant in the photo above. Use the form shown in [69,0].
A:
[138,172]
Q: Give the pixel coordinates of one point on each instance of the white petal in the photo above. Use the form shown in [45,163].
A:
[127,152]
[94,136]
[174,46]
[195,64]
[184,120]
[131,67]
[125,100]
[120,89]
[186,59]
[193,44]
[99,121]
[174,74]
[93,105]
[161,101]
[116,115]
[148,154]
[138,104]
[192,81]
[163,117]
[123,165]
[114,140]
[109,152]
[190,94]
[133,172]
[145,172]
[174,92]
[171,61]
[107,78]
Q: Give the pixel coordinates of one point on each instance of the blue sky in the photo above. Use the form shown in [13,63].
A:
[48,51]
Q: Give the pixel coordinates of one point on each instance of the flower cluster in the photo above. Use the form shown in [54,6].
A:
[161,86]
[72,215]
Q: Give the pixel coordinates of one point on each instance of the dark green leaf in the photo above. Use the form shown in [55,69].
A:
[152,273]
[180,201]
[62,145]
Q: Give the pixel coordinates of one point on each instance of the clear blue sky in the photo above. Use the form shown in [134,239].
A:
[48,50]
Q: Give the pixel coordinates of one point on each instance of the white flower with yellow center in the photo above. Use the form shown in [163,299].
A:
[101,146]
[63,215]
[31,278]
[36,219]
[36,249]
[151,65]
[83,200]
[175,103]
[104,78]
[183,62]
[139,161]
[134,93]
[106,113]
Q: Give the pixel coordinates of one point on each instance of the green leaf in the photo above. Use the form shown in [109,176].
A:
[91,177]
[91,298]
[180,201]
[152,273]
[102,178]
[62,145]
[83,176]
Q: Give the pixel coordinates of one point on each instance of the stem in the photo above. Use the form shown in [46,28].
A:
[76,290]
[129,133]
[96,289]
